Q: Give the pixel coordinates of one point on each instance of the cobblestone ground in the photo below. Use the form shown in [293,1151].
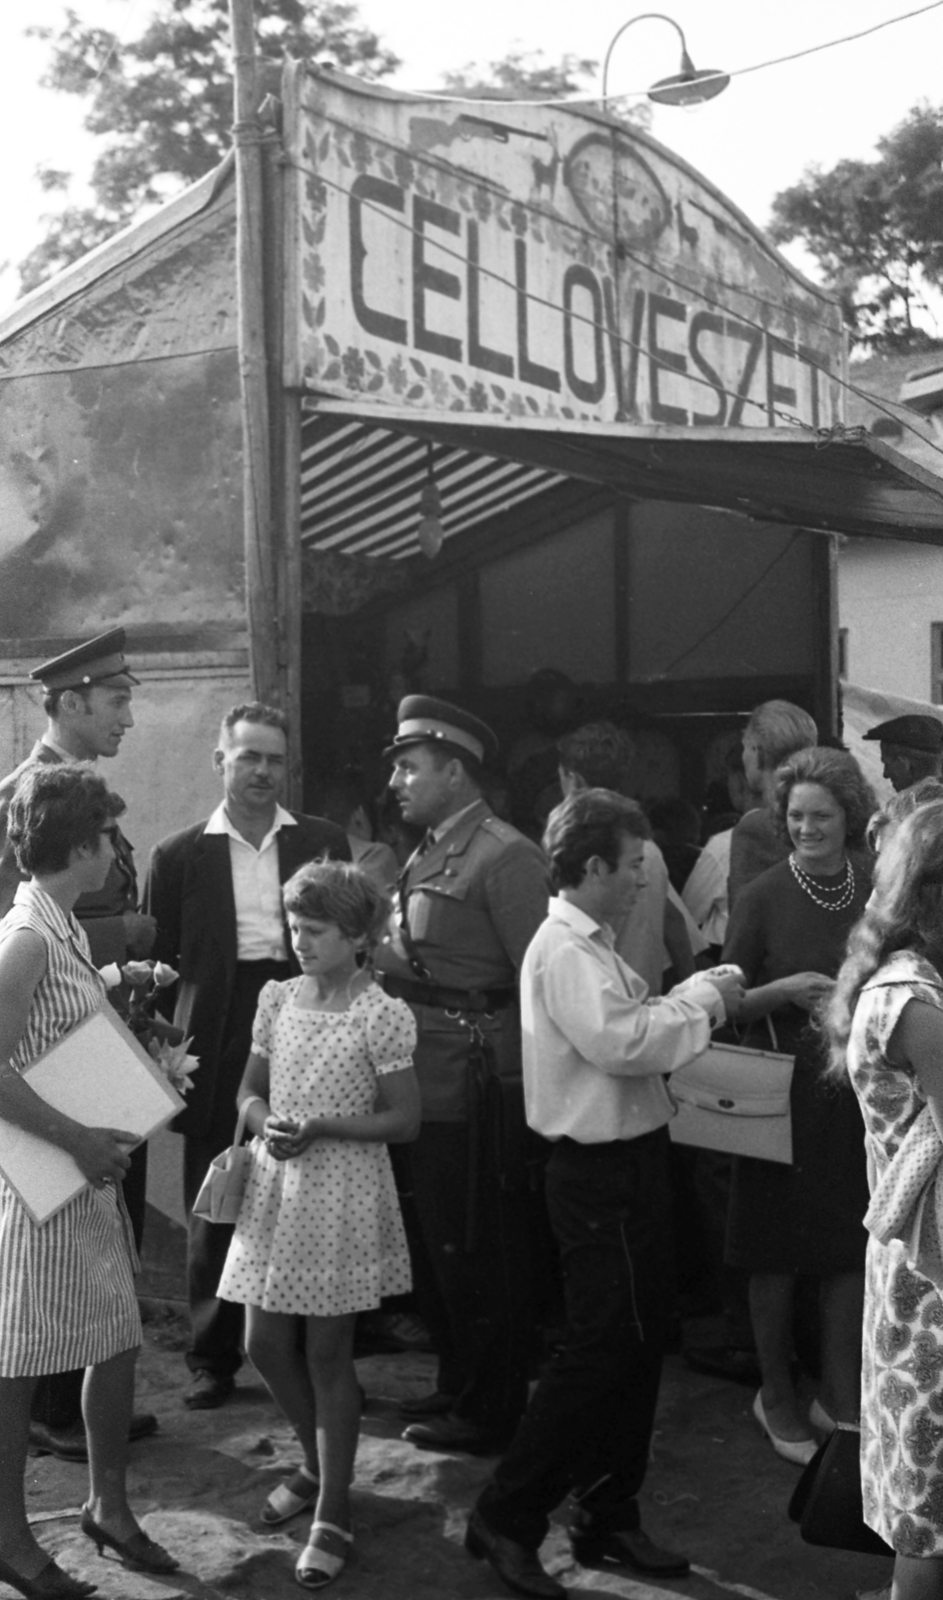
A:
[715,1490]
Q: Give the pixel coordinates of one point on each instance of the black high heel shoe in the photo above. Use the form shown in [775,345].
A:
[140,1553]
[50,1583]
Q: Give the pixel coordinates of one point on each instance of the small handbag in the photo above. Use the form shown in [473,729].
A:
[826,1501]
[737,1100]
[220,1194]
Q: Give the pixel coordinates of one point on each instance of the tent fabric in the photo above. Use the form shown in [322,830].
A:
[364,465]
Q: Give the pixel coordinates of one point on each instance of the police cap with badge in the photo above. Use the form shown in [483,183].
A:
[99,663]
[912,732]
[425,720]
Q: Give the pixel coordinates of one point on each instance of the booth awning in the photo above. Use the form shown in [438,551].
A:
[363,467]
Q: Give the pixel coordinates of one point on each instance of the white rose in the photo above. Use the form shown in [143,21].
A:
[110,975]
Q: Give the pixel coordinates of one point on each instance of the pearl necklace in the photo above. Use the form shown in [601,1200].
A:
[844,891]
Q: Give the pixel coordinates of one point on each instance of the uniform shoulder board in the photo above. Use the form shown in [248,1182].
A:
[501,830]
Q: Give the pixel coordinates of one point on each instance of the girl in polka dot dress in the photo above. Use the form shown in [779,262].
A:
[319,1234]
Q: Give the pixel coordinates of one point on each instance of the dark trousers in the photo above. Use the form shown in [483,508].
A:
[476,1303]
[57,1397]
[588,1427]
[216,1324]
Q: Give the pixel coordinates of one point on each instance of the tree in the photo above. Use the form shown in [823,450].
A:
[876,230]
[164,103]
[526,76]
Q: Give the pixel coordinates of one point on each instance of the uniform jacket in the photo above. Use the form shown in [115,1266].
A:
[101,914]
[475,900]
[189,892]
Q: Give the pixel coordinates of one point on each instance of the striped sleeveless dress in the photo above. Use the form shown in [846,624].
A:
[67,1285]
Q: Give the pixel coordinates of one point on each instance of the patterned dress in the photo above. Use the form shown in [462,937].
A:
[902,1371]
[321,1233]
[66,1285]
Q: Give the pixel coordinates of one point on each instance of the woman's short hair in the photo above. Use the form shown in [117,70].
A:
[778,728]
[54,810]
[591,822]
[341,893]
[836,771]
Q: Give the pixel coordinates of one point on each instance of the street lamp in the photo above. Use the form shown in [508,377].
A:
[689,87]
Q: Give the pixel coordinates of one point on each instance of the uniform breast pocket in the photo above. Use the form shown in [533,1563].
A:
[431,905]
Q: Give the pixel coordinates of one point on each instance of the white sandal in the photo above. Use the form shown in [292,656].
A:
[298,1493]
[316,1574]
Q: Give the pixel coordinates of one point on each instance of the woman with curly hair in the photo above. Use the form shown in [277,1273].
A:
[787,931]
[885,1029]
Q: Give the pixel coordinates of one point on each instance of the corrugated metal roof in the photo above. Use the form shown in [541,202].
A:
[360,487]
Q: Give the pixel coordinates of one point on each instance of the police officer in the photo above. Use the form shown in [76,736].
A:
[87,701]
[911,748]
[466,907]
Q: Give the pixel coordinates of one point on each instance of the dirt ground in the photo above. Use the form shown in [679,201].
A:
[715,1490]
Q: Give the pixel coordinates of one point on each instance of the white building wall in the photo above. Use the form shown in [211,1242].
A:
[889,596]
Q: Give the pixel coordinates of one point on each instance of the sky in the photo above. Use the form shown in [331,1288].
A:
[753,140]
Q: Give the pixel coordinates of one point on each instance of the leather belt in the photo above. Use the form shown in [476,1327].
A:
[431,994]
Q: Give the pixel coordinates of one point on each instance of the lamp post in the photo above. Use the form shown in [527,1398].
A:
[688,87]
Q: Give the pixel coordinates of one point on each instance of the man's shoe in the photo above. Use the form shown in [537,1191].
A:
[455,1433]
[630,1547]
[514,1564]
[70,1444]
[141,1426]
[435,1404]
[208,1391]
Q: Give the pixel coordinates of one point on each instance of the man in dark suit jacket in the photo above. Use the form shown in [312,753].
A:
[215,891]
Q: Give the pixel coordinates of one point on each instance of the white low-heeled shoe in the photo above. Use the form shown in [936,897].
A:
[298,1493]
[819,1417]
[798,1451]
[326,1566]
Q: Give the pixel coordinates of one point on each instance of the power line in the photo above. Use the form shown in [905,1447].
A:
[737,72]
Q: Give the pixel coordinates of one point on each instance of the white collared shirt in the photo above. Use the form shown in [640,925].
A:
[257,890]
[595,1047]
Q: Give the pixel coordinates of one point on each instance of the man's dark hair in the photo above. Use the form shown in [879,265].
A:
[592,822]
[252,711]
[54,810]
[52,697]
[599,753]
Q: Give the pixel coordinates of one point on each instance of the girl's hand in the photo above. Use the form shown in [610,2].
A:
[807,989]
[278,1133]
[296,1138]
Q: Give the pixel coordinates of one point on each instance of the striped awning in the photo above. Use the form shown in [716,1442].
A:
[360,487]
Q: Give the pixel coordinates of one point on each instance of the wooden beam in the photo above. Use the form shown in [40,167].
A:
[261,576]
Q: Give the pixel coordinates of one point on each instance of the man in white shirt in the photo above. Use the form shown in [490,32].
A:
[215,891]
[596,1052]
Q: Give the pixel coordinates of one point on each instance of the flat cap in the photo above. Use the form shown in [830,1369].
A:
[99,661]
[424,720]
[914,732]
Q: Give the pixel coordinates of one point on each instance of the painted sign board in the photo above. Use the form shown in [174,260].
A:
[535,261]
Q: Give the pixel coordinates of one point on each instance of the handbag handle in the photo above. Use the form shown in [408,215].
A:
[240,1132]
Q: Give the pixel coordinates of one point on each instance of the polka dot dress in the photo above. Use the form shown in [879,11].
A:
[321,1234]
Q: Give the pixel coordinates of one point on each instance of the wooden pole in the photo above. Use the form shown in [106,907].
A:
[261,559]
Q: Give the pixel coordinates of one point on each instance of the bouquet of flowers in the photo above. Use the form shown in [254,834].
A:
[163,1041]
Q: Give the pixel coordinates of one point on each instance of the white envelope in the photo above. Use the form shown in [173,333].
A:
[101,1076]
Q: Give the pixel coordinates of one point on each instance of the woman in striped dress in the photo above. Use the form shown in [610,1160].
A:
[66,1286]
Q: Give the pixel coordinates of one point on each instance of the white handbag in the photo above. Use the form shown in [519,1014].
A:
[220,1194]
[736,1100]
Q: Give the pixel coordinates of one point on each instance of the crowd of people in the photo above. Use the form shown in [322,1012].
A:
[452,1052]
